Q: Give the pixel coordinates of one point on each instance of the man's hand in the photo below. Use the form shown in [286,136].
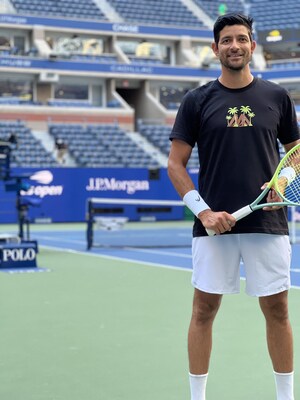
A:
[272,197]
[219,222]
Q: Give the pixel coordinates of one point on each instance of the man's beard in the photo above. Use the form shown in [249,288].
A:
[235,67]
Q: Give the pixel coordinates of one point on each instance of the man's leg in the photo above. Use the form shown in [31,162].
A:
[205,307]
[280,342]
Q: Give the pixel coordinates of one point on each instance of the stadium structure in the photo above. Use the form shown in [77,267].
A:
[105,78]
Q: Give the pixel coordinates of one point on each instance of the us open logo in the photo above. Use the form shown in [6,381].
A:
[43,177]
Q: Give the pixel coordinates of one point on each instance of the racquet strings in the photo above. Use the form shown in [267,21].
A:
[288,185]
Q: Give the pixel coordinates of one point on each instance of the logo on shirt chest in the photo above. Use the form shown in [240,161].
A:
[239,117]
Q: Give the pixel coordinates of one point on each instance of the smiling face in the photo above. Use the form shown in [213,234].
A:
[234,48]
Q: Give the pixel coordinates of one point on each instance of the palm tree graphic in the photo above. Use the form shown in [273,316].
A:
[251,115]
[245,119]
[245,111]
[233,112]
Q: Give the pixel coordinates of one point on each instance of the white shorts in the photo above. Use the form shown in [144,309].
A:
[266,259]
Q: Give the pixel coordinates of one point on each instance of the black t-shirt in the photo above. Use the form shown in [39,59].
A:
[237,133]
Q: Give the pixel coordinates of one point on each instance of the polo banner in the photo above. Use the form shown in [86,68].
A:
[18,255]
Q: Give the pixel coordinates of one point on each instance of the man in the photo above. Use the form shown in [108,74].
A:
[61,149]
[13,140]
[236,122]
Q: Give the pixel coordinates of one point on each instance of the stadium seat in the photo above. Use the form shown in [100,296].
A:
[158,136]
[29,152]
[168,12]
[81,9]
[275,14]
[101,145]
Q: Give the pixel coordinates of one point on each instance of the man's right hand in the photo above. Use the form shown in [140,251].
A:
[219,221]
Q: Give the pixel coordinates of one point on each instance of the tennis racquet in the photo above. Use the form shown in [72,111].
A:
[286,183]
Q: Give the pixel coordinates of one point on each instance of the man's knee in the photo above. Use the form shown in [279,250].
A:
[205,307]
[275,307]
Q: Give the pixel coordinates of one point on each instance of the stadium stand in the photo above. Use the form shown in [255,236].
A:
[158,135]
[276,14]
[79,9]
[211,7]
[101,146]
[28,151]
[168,12]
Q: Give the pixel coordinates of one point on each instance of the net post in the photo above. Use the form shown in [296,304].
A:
[89,230]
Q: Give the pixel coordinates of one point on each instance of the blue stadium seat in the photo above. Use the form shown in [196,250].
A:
[168,12]
[158,136]
[81,9]
[101,145]
[268,15]
[29,151]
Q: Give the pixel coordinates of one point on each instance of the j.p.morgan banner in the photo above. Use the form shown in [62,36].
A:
[60,194]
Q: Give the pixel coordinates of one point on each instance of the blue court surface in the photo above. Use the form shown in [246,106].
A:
[167,247]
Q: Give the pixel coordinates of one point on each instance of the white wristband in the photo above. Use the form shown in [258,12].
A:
[194,202]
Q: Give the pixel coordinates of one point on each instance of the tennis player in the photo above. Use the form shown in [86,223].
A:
[236,122]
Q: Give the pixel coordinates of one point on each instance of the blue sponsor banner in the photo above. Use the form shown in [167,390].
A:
[64,192]
[104,26]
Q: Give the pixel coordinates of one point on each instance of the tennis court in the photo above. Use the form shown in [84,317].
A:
[111,323]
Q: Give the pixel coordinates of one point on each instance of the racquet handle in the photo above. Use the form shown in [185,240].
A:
[239,214]
[242,212]
[210,232]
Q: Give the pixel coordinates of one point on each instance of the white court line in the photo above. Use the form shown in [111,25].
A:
[117,258]
[162,252]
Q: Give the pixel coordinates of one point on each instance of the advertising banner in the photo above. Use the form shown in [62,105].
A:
[63,192]
[277,36]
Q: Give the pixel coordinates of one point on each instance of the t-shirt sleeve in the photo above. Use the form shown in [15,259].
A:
[185,125]
[288,130]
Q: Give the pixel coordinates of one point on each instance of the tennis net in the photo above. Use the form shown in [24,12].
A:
[137,223]
[109,223]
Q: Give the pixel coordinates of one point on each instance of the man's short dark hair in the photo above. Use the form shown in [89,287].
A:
[232,19]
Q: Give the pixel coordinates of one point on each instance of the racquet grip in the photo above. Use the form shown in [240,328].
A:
[210,232]
[242,212]
[239,214]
